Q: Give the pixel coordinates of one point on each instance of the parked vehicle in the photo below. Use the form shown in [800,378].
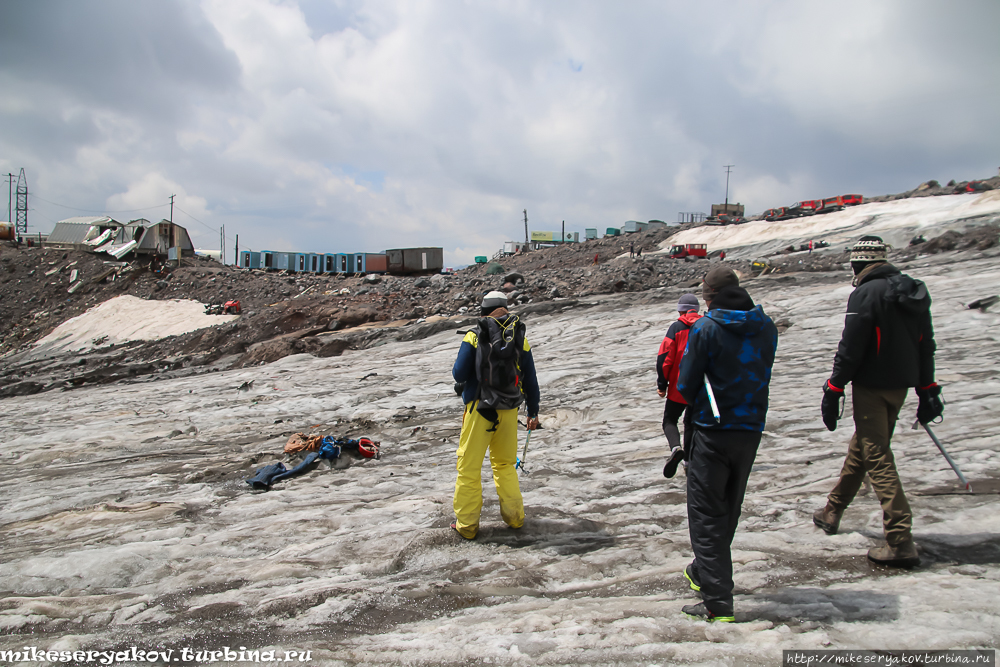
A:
[689,250]
[802,208]
[839,203]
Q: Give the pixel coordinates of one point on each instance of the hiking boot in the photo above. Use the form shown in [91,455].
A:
[692,578]
[701,611]
[828,519]
[454,527]
[674,460]
[903,554]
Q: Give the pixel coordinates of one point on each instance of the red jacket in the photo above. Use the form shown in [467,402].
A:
[668,359]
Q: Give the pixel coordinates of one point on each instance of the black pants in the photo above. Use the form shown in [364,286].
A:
[672,412]
[718,469]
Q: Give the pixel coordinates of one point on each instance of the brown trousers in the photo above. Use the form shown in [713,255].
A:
[875,414]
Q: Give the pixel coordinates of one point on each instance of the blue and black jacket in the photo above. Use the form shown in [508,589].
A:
[735,350]
[465,371]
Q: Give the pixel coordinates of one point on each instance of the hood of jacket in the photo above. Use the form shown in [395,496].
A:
[689,317]
[746,323]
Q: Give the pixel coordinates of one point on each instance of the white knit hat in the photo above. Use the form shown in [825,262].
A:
[870,249]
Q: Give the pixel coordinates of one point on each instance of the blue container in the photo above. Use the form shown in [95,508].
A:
[249,260]
[329,263]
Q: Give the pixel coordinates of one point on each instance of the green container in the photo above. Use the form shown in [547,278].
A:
[481,260]
[613,231]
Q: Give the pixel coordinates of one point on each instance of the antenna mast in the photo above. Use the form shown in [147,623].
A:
[21,212]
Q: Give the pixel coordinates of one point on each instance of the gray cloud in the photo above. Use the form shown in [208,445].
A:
[349,124]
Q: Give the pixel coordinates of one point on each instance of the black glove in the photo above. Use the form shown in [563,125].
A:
[831,405]
[931,406]
[459,388]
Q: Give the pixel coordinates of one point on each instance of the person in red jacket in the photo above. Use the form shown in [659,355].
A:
[668,362]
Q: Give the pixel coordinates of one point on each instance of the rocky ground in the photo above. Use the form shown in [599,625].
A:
[324,315]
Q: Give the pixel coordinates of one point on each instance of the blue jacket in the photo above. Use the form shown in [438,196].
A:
[465,371]
[734,349]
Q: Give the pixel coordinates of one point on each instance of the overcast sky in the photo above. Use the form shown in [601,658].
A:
[346,126]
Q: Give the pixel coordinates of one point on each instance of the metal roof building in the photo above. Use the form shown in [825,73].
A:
[73,232]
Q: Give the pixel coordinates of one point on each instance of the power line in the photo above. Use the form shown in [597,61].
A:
[212,229]
[94,210]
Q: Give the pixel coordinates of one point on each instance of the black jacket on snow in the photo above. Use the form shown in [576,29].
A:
[888,340]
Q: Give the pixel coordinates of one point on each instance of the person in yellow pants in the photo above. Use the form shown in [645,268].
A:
[481,433]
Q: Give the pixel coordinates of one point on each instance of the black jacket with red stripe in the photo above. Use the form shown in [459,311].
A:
[888,339]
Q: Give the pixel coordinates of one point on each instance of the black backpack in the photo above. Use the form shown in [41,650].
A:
[498,351]
[908,293]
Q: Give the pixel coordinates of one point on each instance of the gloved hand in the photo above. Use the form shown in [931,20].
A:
[459,388]
[831,405]
[931,406]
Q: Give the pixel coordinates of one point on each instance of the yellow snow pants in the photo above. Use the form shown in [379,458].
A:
[477,437]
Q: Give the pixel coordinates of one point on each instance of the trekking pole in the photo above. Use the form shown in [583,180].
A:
[954,466]
[524,455]
[711,400]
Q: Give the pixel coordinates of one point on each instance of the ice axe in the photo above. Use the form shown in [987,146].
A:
[519,465]
[951,462]
[711,400]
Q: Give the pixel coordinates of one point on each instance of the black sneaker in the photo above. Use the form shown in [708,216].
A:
[674,460]
[692,578]
[701,611]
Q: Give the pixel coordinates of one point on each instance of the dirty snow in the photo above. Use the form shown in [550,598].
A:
[895,221]
[127,318]
[124,519]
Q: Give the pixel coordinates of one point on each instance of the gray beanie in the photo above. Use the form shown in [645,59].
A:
[494,300]
[687,303]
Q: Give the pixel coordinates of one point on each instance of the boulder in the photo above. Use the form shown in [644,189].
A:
[494,269]
[422,282]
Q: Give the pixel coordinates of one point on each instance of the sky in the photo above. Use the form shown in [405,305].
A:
[356,126]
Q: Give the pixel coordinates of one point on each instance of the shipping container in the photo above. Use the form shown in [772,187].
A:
[656,224]
[282,261]
[591,233]
[267,259]
[415,260]
[249,260]
[613,231]
[633,226]
[329,263]
[7,231]
[375,262]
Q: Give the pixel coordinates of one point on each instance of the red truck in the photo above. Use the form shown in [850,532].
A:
[689,250]
[839,203]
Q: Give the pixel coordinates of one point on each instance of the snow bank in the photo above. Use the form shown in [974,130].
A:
[127,318]
[896,221]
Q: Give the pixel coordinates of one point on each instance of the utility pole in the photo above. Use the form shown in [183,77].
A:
[564,232]
[237,255]
[174,234]
[729,168]
[172,209]
[525,230]
[10,196]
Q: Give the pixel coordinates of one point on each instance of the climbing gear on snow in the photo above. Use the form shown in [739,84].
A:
[951,462]
[262,479]
[297,470]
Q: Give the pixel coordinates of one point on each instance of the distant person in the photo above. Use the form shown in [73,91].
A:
[490,419]
[722,255]
[887,347]
[810,246]
[596,255]
[631,250]
[668,364]
[730,352]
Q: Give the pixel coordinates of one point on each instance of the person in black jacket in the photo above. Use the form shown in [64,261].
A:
[724,376]
[887,346]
